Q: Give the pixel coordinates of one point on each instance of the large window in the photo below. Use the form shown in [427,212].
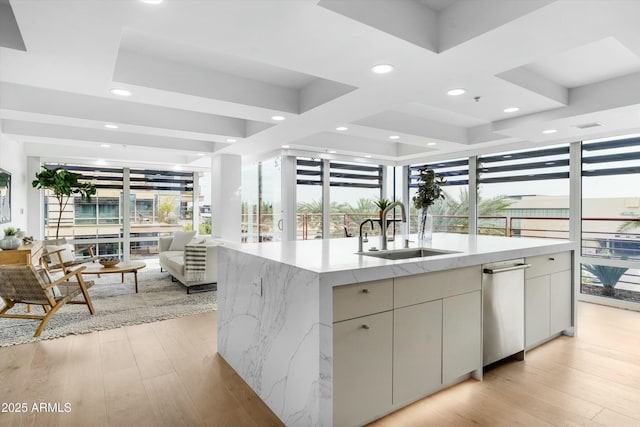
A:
[450,215]
[611,218]
[525,193]
[354,189]
[160,202]
[261,201]
[309,198]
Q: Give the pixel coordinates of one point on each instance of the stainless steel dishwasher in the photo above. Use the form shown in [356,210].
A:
[503,309]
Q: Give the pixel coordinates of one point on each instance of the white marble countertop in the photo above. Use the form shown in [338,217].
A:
[337,261]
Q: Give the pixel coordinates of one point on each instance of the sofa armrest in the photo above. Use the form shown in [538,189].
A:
[164,243]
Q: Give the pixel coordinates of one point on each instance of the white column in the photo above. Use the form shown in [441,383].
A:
[289,201]
[195,203]
[326,200]
[35,201]
[126,214]
[473,195]
[226,178]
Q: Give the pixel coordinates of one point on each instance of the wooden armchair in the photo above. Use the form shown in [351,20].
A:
[58,257]
[26,284]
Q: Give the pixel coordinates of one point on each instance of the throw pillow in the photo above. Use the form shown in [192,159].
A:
[181,238]
[66,254]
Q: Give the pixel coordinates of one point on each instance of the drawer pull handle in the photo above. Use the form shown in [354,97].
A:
[365,291]
[365,326]
[552,259]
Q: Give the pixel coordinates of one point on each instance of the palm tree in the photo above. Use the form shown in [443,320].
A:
[486,207]
[608,276]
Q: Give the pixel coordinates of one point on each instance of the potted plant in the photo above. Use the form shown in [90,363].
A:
[10,240]
[63,184]
[382,205]
[429,190]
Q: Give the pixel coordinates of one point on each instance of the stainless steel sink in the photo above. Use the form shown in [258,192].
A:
[407,253]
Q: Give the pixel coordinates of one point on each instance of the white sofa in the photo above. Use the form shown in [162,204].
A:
[173,261]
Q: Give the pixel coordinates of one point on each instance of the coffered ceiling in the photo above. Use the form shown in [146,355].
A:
[208,76]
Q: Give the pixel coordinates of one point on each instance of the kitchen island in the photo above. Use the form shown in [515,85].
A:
[326,336]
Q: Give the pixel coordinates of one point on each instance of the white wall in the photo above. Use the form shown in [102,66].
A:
[13,160]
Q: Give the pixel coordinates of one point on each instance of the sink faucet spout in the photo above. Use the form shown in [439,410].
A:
[384,221]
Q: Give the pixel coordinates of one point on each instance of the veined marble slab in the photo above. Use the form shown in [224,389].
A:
[275,308]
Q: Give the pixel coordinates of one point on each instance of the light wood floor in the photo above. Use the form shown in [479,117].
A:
[168,374]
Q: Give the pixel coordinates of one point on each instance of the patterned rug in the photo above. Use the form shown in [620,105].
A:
[116,305]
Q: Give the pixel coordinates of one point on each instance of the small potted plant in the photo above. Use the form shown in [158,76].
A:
[10,240]
[429,190]
[382,205]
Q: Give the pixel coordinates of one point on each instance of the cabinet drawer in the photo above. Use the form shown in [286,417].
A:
[547,264]
[361,299]
[410,290]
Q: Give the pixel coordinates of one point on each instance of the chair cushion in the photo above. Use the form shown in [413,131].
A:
[176,263]
[181,238]
[66,254]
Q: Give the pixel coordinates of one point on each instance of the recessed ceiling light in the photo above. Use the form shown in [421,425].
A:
[549,131]
[200,154]
[151,1]
[105,145]
[368,156]
[431,143]
[231,140]
[394,137]
[331,151]
[109,126]
[100,162]
[358,159]
[456,92]
[511,109]
[342,128]
[285,146]
[120,92]
[382,68]
[277,118]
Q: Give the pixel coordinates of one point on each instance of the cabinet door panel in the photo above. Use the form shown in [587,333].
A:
[560,304]
[362,368]
[461,335]
[417,351]
[536,310]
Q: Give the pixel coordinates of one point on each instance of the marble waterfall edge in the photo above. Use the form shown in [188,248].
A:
[269,332]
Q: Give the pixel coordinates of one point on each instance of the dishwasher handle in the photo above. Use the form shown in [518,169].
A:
[502,270]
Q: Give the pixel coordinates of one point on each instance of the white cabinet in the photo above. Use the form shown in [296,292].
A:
[548,295]
[417,351]
[396,340]
[362,370]
[461,335]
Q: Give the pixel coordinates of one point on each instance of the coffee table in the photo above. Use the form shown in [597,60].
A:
[121,267]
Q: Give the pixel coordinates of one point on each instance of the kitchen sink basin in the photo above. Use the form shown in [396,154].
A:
[407,253]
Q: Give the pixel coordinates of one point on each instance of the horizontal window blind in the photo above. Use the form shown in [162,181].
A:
[455,172]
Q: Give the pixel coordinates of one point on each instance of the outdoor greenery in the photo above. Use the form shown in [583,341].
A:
[63,184]
[607,275]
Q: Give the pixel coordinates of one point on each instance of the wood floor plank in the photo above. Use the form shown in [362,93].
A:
[170,401]
[611,418]
[127,401]
[84,385]
[148,351]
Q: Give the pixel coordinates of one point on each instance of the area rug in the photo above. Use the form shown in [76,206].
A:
[116,305]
